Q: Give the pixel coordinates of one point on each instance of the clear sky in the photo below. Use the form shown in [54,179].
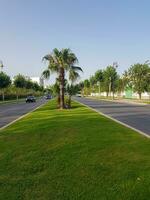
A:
[98,31]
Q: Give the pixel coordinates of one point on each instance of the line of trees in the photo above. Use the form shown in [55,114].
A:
[137,77]
[21,86]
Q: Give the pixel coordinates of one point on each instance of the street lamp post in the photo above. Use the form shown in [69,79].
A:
[110,87]
[115,65]
[99,84]
[149,87]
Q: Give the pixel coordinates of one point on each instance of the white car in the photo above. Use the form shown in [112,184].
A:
[78,95]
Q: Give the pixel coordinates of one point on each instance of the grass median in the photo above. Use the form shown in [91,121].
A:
[73,154]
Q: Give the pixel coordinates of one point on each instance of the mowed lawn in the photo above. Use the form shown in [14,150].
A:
[72,154]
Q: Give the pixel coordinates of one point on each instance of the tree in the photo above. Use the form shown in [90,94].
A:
[19,83]
[148,83]
[86,89]
[110,79]
[61,62]
[92,82]
[86,83]
[81,85]
[5,81]
[137,74]
[71,90]
[29,84]
[36,87]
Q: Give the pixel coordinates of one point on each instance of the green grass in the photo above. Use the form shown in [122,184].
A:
[72,154]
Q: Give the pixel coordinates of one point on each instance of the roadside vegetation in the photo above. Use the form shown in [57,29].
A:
[136,78]
[19,88]
[64,63]
[72,154]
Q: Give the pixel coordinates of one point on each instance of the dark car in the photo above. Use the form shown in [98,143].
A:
[30,99]
[48,96]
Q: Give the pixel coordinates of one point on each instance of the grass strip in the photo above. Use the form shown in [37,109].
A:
[73,154]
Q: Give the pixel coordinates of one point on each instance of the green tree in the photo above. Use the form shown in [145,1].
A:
[92,82]
[29,84]
[61,62]
[138,75]
[19,83]
[5,81]
[36,87]
[148,83]
[71,90]
[86,89]
[110,79]
[86,83]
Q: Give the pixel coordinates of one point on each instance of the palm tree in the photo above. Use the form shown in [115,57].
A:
[61,62]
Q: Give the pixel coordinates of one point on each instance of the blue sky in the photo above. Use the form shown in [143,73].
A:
[98,31]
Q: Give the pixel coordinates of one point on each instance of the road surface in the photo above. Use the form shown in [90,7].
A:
[12,111]
[135,115]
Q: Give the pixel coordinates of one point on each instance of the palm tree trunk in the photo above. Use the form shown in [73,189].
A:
[69,101]
[62,74]
[58,100]
[113,95]
[107,93]
[140,95]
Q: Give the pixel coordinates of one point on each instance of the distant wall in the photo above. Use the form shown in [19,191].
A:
[125,94]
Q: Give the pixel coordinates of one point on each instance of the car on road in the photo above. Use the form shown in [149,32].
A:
[30,99]
[48,96]
[78,95]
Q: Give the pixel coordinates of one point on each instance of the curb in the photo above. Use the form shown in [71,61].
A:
[115,120]
[3,127]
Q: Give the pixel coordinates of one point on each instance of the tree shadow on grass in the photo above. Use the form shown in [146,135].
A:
[75,106]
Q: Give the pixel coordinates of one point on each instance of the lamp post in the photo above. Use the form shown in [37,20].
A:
[149,87]
[99,84]
[115,65]
[110,87]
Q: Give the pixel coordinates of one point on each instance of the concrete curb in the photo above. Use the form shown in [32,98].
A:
[115,120]
[21,117]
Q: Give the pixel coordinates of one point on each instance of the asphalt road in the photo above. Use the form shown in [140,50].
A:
[135,115]
[10,112]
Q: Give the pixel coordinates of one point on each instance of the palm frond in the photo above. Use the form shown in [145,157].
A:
[76,68]
[73,75]
[46,74]
[47,57]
